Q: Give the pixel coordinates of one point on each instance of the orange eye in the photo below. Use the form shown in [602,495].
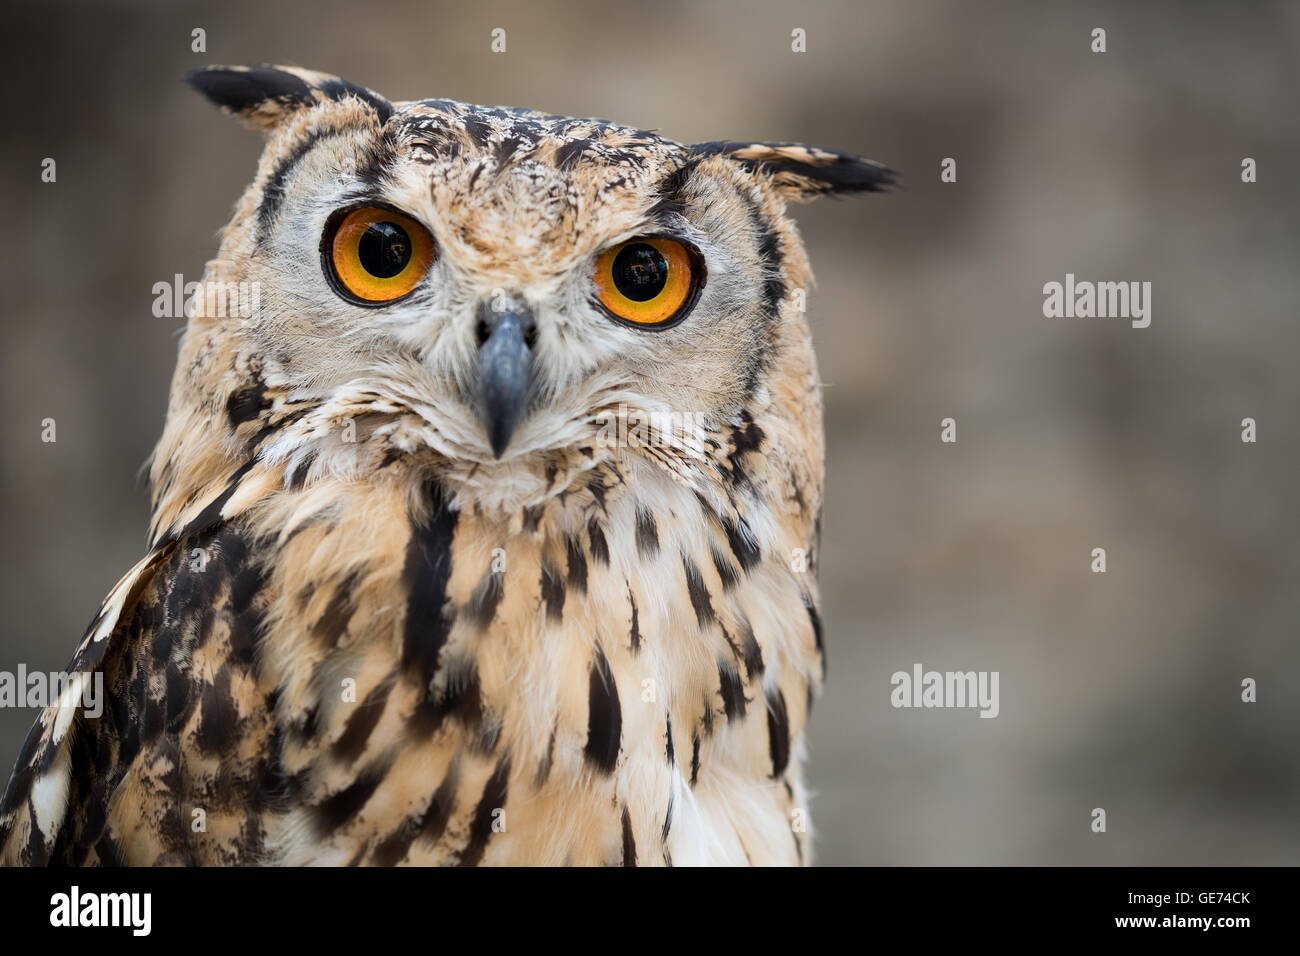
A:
[376,255]
[648,282]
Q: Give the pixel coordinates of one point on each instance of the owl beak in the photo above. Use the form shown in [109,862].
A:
[505,370]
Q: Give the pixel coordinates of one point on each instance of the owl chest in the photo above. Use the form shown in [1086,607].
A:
[573,695]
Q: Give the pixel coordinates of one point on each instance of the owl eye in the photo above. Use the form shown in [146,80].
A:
[374,256]
[651,283]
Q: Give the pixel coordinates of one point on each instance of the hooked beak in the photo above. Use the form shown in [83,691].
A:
[505,369]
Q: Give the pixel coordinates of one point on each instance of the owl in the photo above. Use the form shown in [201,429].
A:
[485,532]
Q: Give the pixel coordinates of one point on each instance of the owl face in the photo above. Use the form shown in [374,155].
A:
[513,281]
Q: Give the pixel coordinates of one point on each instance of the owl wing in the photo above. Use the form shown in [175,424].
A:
[126,685]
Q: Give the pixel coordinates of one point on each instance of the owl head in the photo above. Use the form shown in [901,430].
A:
[506,298]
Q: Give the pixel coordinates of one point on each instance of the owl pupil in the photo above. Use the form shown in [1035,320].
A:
[384,249]
[640,272]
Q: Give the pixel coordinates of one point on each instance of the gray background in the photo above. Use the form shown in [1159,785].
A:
[1118,690]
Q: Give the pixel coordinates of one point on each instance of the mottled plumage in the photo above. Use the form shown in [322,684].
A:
[361,635]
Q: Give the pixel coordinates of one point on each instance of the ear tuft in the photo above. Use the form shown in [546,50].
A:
[805,172]
[262,96]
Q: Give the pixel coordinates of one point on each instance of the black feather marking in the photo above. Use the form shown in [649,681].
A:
[38,853]
[733,692]
[273,192]
[548,760]
[338,808]
[735,648]
[533,518]
[252,835]
[425,576]
[577,562]
[217,721]
[178,699]
[247,621]
[599,546]
[126,688]
[770,254]
[506,150]
[596,485]
[746,438]
[669,193]
[494,798]
[302,726]
[647,533]
[695,758]
[752,654]
[153,716]
[604,715]
[371,170]
[338,89]
[778,732]
[443,802]
[333,622]
[552,592]
[431,823]
[356,732]
[668,740]
[247,579]
[246,404]
[376,169]
[94,820]
[479,132]
[699,594]
[473,177]
[668,825]
[635,635]
[706,719]
[568,154]
[210,516]
[629,842]
[727,572]
[743,544]
[459,696]
[818,636]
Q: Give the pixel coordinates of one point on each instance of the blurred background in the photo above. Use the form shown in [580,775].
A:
[1118,690]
